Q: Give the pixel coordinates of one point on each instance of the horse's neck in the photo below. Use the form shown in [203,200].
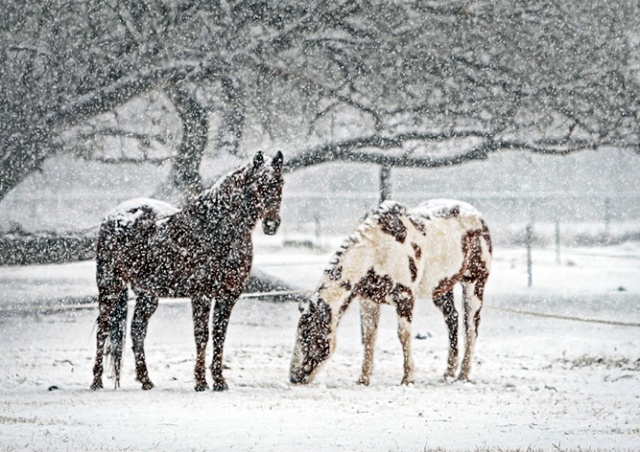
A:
[347,268]
[334,296]
[225,212]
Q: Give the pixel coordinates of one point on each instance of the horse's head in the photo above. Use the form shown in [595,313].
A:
[314,342]
[267,189]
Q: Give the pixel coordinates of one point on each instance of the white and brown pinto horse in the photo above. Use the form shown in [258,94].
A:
[396,256]
[203,252]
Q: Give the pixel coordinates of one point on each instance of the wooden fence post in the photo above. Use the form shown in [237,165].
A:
[528,238]
[385,183]
[558,242]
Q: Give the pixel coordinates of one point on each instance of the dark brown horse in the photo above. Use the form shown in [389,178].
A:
[203,251]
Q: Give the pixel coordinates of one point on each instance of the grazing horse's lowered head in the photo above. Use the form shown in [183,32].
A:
[315,341]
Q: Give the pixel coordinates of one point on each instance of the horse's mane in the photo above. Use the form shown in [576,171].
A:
[215,202]
[235,178]
[370,221]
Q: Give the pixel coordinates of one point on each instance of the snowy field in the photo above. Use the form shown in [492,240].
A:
[539,383]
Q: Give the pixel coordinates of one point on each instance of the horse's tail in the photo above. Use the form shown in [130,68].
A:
[118,333]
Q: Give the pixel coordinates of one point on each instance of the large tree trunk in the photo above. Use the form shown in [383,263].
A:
[385,183]
[20,157]
[230,130]
[184,176]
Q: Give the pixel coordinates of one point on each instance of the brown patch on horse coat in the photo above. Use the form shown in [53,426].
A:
[391,224]
[477,268]
[486,235]
[413,269]
[374,287]
[403,297]
[417,251]
[473,267]
[419,225]
[379,288]
[448,212]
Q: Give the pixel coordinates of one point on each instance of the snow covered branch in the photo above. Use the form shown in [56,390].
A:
[367,150]
[352,77]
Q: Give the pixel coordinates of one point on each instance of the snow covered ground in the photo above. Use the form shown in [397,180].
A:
[538,382]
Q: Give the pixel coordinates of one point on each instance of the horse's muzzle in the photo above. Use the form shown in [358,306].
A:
[269,226]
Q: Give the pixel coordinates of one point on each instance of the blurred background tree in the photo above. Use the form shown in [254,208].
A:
[395,83]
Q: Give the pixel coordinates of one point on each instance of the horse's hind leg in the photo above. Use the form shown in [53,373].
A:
[404,300]
[201,307]
[118,329]
[472,293]
[370,318]
[145,307]
[447,306]
[107,299]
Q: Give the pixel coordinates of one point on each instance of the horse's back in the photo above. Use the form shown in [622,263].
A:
[127,212]
[454,211]
[449,233]
[124,234]
[417,247]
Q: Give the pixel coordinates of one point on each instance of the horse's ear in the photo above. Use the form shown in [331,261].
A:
[258,160]
[277,160]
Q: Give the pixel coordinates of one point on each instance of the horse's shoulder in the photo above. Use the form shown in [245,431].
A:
[385,219]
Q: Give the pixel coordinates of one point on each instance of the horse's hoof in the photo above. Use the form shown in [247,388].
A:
[362,381]
[220,386]
[448,378]
[96,385]
[406,382]
[147,385]
[201,387]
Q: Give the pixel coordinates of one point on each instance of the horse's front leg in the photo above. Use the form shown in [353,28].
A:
[146,305]
[221,313]
[403,297]
[201,307]
[370,317]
